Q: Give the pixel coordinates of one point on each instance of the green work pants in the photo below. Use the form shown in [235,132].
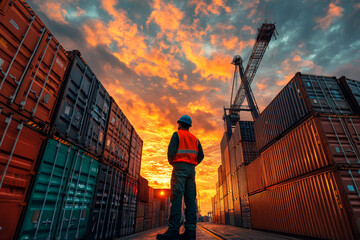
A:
[183,184]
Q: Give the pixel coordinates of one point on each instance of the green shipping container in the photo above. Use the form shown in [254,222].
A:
[59,205]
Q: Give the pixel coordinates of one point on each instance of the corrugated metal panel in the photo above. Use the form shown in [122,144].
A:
[255,175]
[235,185]
[95,129]
[245,212]
[351,89]
[128,210]
[243,185]
[224,143]
[301,96]
[60,202]
[227,160]
[19,150]
[353,127]
[316,143]
[231,218]
[139,225]
[32,63]
[237,213]
[70,117]
[105,213]
[317,200]
[232,157]
[117,146]
[143,194]
[135,155]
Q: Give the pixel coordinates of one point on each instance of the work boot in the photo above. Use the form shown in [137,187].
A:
[188,235]
[169,234]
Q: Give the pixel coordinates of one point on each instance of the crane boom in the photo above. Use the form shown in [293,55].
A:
[262,40]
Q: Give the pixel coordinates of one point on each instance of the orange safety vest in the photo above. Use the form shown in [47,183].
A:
[188,148]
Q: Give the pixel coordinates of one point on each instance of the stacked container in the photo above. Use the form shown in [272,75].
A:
[152,206]
[307,169]
[232,196]
[70,157]
[32,67]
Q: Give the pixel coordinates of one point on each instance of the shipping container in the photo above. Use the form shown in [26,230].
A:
[316,143]
[95,128]
[60,202]
[326,204]
[143,195]
[232,157]
[139,225]
[128,211]
[71,118]
[245,153]
[235,185]
[255,175]
[156,213]
[245,212]
[237,213]
[219,174]
[224,142]
[117,143]
[244,131]
[105,213]
[303,95]
[227,160]
[242,181]
[32,63]
[351,90]
[135,155]
[147,223]
[20,146]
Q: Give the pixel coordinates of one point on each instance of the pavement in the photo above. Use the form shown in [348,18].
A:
[215,231]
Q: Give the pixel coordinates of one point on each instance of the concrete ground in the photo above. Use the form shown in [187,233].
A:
[215,231]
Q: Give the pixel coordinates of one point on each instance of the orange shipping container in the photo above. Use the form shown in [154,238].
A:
[323,205]
[32,62]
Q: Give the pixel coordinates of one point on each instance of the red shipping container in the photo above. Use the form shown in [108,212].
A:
[19,149]
[255,176]
[323,205]
[316,143]
[32,62]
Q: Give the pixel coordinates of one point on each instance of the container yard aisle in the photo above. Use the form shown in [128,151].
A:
[214,231]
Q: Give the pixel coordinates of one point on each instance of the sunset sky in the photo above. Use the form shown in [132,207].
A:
[161,59]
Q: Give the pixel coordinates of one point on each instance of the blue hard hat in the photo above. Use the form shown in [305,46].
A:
[185,119]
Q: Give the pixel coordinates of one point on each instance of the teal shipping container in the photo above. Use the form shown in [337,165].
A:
[60,202]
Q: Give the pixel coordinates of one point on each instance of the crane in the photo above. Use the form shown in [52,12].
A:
[231,117]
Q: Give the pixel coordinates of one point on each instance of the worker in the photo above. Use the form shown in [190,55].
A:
[184,153]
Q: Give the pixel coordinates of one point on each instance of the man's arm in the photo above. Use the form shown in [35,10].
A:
[173,147]
[200,156]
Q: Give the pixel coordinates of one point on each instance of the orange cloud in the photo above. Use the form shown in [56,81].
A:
[54,11]
[213,8]
[167,16]
[333,12]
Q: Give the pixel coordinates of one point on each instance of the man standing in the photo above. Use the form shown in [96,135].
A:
[184,153]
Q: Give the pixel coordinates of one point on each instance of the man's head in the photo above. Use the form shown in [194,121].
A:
[184,122]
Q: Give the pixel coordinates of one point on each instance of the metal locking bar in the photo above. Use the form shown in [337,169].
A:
[33,111]
[76,100]
[60,189]
[19,128]
[101,203]
[23,102]
[47,192]
[74,198]
[67,188]
[32,17]
[8,122]
[84,199]
[18,83]
[107,201]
